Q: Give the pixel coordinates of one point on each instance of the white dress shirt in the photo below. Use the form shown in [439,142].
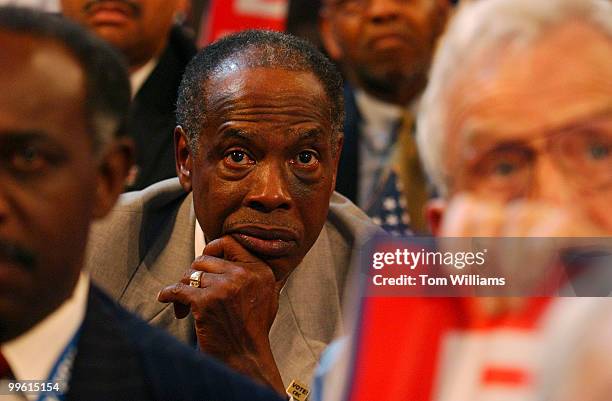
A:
[138,77]
[199,242]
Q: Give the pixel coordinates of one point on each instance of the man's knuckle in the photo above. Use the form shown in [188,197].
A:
[239,273]
[178,288]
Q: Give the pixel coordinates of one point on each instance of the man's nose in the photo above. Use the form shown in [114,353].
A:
[380,11]
[550,184]
[270,190]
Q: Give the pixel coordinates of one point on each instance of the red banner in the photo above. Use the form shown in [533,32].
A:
[227,16]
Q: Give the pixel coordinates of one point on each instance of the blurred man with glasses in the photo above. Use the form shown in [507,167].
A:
[515,131]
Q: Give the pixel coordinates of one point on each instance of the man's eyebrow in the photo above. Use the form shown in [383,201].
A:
[234,133]
[587,121]
[310,134]
[24,136]
[490,131]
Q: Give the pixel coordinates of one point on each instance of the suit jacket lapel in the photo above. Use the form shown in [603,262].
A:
[106,366]
[309,313]
[165,260]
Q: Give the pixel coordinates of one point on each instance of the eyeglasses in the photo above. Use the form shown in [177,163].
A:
[583,154]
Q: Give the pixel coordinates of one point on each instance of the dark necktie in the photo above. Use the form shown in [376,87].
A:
[400,193]
[410,174]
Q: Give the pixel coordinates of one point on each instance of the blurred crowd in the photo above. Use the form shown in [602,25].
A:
[187,189]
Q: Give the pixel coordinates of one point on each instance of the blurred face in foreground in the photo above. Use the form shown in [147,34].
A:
[529,141]
[52,184]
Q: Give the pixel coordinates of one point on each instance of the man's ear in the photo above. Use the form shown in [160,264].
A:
[183,158]
[434,213]
[328,37]
[337,152]
[113,170]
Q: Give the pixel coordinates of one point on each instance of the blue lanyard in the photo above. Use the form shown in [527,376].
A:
[61,371]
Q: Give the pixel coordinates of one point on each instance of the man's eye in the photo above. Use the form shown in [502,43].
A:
[28,160]
[306,158]
[598,151]
[237,157]
[504,169]
[504,164]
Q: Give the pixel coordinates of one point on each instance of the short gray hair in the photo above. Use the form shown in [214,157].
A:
[258,48]
[479,26]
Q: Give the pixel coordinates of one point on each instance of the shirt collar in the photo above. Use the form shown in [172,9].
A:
[138,77]
[45,342]
[376,112]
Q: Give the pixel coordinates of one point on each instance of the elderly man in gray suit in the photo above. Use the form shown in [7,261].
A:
[257,147]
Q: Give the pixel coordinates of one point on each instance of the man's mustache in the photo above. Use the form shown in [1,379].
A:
[135,8]
[16,254]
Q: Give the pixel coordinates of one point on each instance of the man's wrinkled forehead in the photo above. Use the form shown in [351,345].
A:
[240,82]
[41,66]
[259,56]
[517,85]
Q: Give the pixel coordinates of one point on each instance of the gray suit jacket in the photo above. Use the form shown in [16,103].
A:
[147,242]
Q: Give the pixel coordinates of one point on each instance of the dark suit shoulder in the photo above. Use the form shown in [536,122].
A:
[347,180]
[183,44]
[152,361]
[106,366]
[152,115]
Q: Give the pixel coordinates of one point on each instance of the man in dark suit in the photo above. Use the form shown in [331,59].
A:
[384,48]
[157,50]
[62,164]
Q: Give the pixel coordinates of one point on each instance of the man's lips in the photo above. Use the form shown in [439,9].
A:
[13,254]
[388,40]
[11,273]
[110,12]
[269,241]
[16,264]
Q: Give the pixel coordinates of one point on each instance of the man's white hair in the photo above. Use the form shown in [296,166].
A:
[485,25]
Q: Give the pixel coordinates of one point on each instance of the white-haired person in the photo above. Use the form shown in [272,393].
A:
[515,131]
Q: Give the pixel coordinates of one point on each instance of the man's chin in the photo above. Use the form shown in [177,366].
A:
[282,267]
[15,319]
[119,36]
[389,70]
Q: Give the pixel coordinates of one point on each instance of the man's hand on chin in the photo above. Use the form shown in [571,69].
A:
[233,307]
